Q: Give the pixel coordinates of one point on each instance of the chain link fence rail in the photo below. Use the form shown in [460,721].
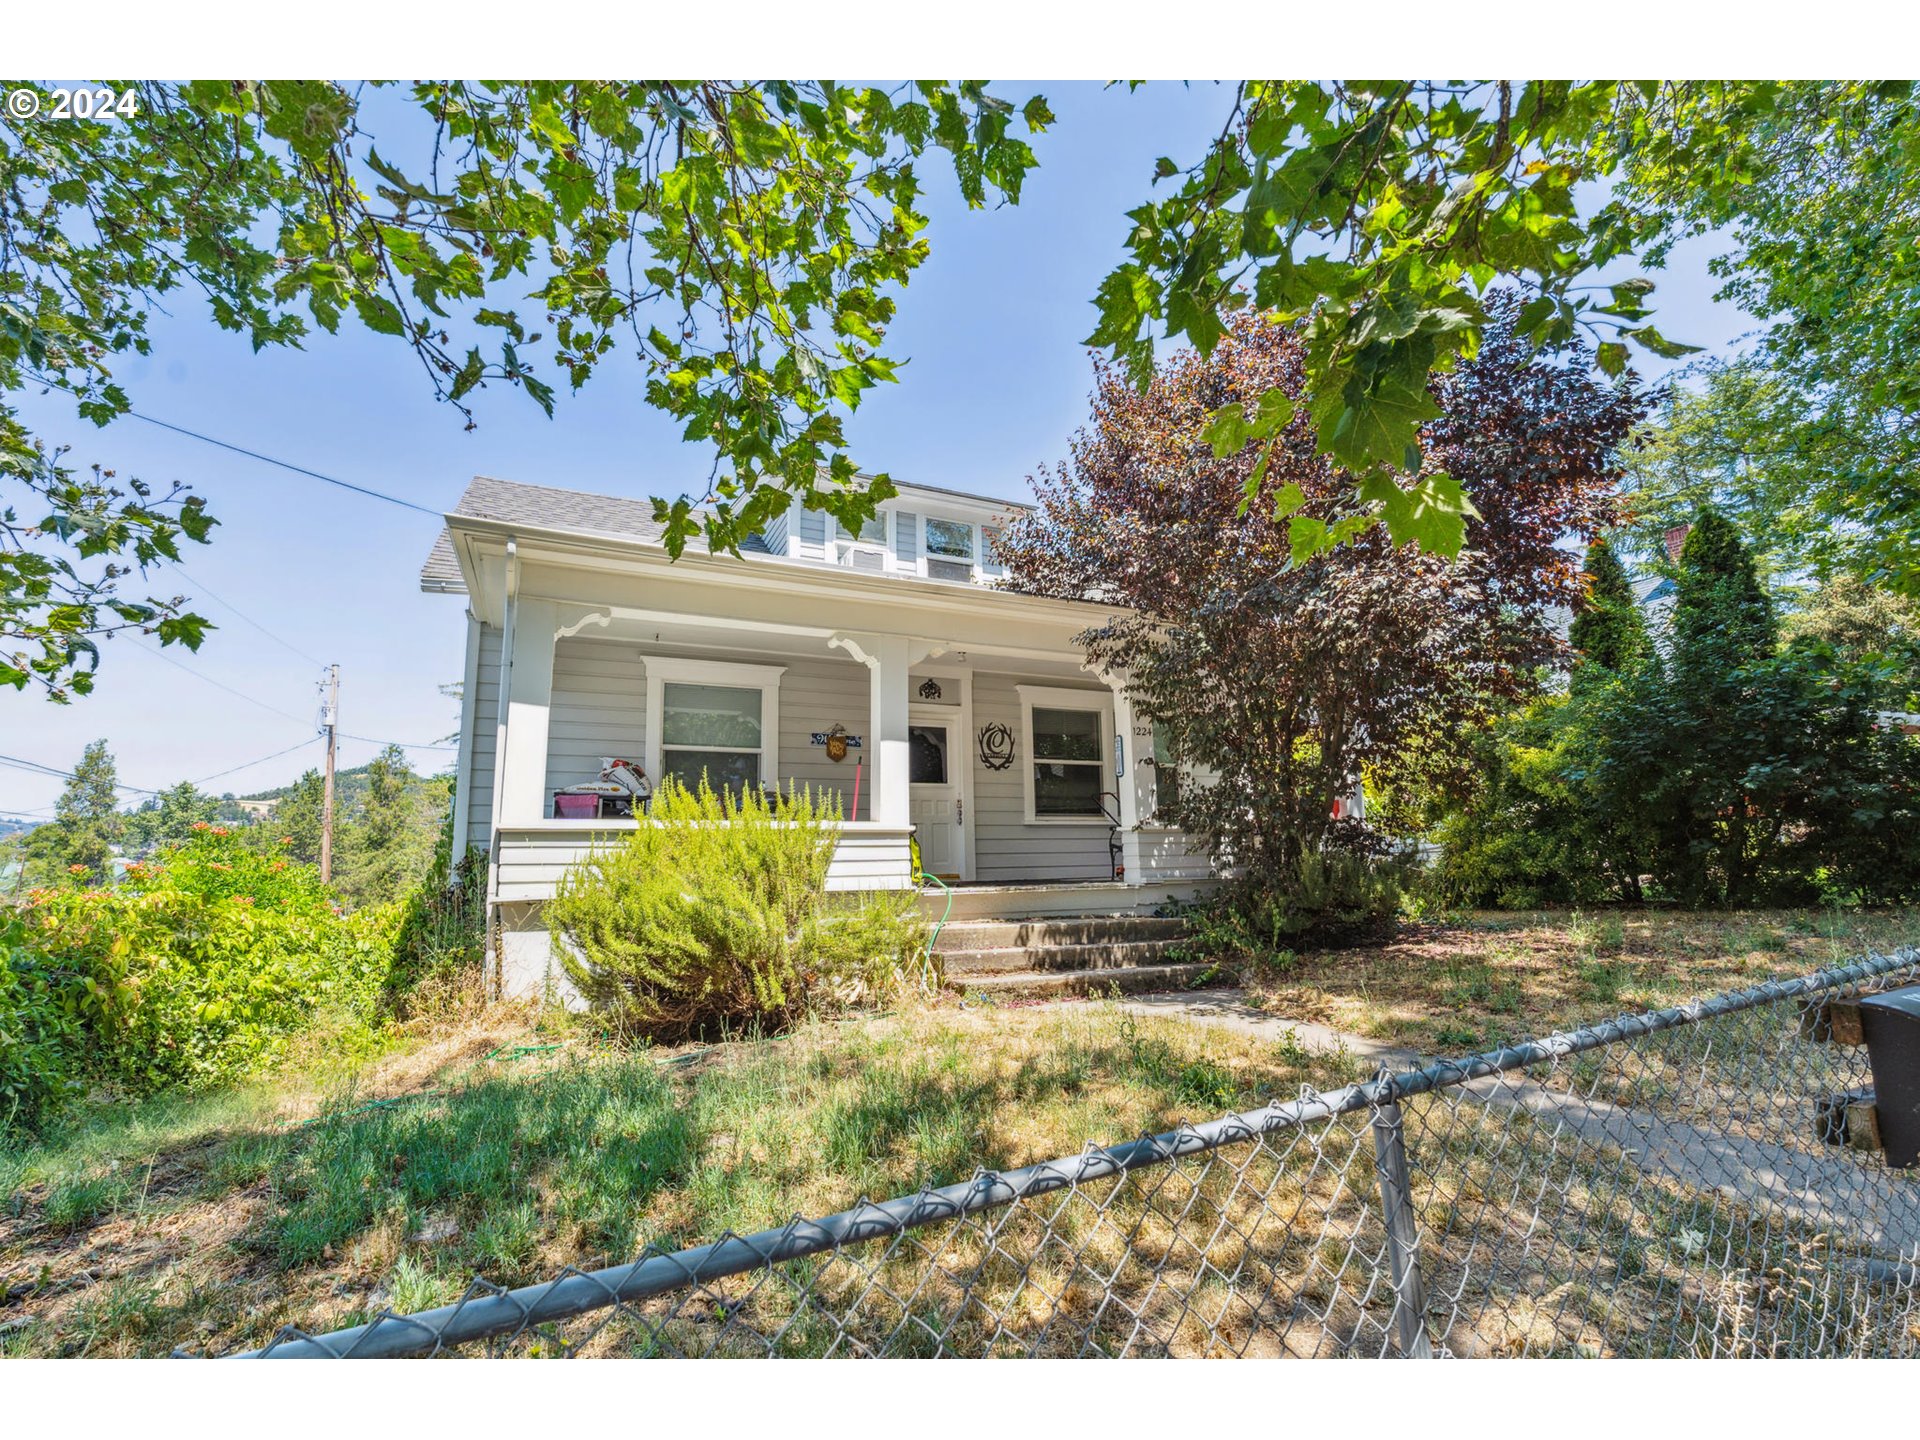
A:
[1677,1183]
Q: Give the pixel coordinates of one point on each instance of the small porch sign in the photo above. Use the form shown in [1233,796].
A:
[837,741]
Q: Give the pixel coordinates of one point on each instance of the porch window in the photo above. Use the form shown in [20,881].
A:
[1166,774]
[711,730]
[1066,753]
[713,719]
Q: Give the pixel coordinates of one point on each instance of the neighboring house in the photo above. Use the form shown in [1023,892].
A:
[969,718]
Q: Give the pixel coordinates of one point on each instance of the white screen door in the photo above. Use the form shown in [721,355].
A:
[933,770]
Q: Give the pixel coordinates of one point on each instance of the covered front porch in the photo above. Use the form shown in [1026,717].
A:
[960,718]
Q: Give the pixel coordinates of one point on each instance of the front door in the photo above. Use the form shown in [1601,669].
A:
[934,803]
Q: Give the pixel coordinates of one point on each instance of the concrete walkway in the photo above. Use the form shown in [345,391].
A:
[1826,1187]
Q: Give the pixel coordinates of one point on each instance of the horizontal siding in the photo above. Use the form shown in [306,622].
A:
[530,867]
[816,695]
[486,719]
[811,527]
[1006,848]
[1172,855]
[880,861]
[599,708]
[532,863]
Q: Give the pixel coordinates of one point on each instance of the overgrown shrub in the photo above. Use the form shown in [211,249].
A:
[1336,897]
[1532,835]
[1726,771]
[440,944]
[206,965]
[39,1031]
[716,913]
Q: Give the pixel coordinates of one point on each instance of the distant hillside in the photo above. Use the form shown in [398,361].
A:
[349,786]
[17,825]
[346,784]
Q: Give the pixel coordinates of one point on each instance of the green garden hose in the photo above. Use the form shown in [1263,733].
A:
[921,878]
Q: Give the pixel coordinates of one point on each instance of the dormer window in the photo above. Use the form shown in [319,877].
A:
[872,532]
[865,551]
[949,550]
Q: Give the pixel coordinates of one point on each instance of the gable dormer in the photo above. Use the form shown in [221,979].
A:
[932,534]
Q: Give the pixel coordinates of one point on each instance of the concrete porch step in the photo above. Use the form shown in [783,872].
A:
[1048,959]
[1050,899]
[968,935]
[1029,984]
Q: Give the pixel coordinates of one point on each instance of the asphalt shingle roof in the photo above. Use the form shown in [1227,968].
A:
[490,499]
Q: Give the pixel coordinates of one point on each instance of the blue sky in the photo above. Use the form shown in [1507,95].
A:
[997,381]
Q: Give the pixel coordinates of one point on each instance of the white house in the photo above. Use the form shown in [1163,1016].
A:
[969,716]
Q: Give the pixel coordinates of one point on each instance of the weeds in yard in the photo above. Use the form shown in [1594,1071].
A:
[1603,980]
[415,1285]
[82,1197]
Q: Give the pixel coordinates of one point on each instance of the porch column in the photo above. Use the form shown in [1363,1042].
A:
[887,737]
[528,690]
[887,658]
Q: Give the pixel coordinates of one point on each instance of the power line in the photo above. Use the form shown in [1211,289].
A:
[402,744]
[34,767]
[209,591]
[256,455]
[221,774]
[219,685]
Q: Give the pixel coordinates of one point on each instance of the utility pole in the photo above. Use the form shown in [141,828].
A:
[330,720]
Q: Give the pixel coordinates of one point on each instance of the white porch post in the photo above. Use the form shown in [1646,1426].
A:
[529,691]
[887,658]
[888,745]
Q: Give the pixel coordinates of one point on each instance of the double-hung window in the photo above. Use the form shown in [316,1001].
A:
[949,550]
[1066,759]
[865,551]
[716,721]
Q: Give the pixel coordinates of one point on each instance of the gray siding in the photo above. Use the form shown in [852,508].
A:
[812,525]
[906,538]
[775,534]
[816,695]
[599,708]
[486,718]
[1006,848]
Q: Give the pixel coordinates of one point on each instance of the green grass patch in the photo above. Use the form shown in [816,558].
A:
[79,1199]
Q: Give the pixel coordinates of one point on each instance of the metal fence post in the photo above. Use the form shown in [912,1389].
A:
[1403,1231]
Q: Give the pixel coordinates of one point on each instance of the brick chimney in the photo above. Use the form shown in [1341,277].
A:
[1676,541]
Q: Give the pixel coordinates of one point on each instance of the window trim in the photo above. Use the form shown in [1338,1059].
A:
[1050,697]
[665,670]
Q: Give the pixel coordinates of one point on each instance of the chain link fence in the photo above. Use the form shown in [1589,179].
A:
[1677,1183]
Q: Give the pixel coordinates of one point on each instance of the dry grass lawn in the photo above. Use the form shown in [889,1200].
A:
[1478,980]
[495,1146]
[209,1223]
